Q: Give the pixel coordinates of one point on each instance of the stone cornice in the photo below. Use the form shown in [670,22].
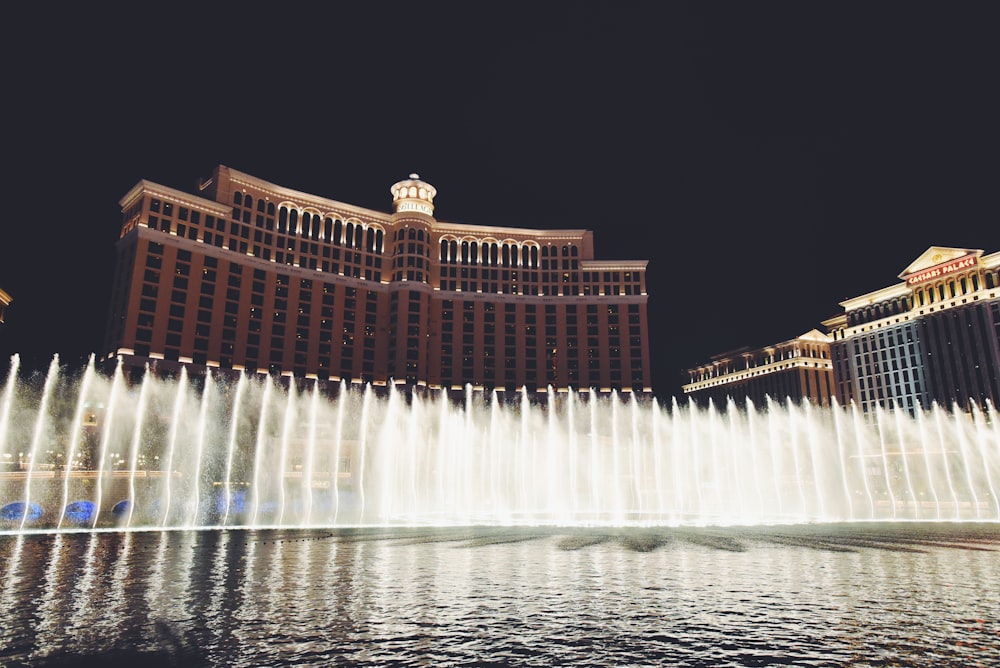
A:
[612,265]
[172,195]
[306,200]
[757,371]
[459,230]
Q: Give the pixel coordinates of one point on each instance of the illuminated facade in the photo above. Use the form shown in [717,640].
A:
[797,369]
[934,337]
[250,276]
[5,300]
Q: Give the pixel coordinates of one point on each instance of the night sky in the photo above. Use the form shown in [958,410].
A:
[768,159]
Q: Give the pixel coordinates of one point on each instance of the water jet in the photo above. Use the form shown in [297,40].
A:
[89,450]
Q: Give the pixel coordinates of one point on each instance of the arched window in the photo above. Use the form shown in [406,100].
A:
[282,219]
[474,253]
[525,255]
[379,235]
[328,229]
[505,256]
[306,219]
[534,257]
[293,221]
[444,251]
[238,198]
[270,208]
[260,206]
[248,201]
[465,252]
[370,240]
[493,254]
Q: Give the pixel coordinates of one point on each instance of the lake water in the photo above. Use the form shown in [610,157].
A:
[879,594]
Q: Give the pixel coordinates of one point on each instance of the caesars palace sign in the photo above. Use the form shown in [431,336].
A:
[942,270]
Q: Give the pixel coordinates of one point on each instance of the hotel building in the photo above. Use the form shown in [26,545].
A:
[5,300]
[796,369]
[247,276]
[932,337]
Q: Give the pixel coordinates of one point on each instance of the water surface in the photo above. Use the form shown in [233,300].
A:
[879,594]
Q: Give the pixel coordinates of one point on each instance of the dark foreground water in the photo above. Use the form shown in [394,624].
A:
[857,595]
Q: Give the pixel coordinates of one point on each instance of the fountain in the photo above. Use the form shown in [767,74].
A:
[84,451]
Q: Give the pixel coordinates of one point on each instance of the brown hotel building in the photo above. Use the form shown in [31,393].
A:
[246,275]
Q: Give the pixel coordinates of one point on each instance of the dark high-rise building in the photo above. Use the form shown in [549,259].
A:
[246,275]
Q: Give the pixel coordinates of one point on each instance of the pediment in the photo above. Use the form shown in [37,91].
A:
[936,255]
[815,335]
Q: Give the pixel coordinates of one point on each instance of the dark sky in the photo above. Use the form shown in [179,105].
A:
[769,159]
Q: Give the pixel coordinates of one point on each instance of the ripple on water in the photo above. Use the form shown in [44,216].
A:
[820,596]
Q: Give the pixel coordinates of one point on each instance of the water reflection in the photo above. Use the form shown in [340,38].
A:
[817,595]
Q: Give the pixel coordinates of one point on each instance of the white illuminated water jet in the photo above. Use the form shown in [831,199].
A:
[41,423]
[258,458]
[107,429]
[231,445]
[133,459]
[205,452]
[200,439]
[176,418]
[76,430]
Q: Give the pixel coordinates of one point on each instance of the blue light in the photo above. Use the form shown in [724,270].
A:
[16,511]
[79,512]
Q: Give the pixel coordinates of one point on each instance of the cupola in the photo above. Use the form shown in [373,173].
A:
[413,194]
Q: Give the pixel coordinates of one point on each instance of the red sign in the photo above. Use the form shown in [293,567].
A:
[942,269]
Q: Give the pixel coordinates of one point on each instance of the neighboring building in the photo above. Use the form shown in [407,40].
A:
[250,276]
[934,337]
[5,300]
[793,370]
